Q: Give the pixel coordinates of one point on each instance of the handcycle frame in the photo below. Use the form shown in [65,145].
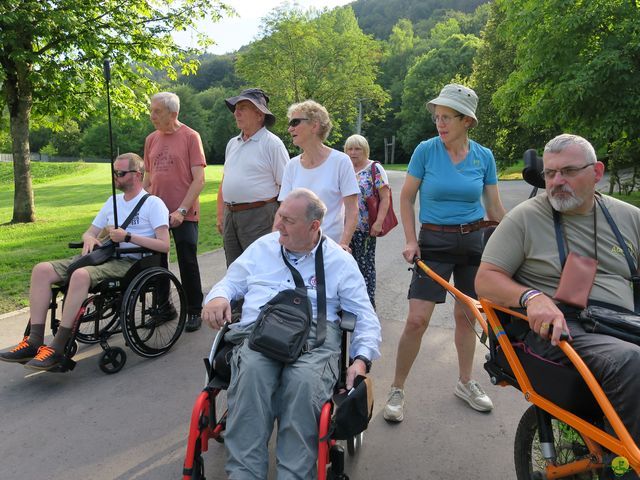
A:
[595,438]
[207,422]
[114,301]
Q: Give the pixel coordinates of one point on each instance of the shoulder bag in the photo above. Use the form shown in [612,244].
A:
[282,327]
[107,250]
[373,202]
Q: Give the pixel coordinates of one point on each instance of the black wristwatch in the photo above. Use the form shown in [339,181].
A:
[127,237]
[366,361]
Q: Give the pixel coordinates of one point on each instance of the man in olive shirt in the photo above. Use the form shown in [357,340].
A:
[521,265]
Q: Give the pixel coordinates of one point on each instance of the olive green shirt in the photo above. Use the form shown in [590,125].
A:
[524,245]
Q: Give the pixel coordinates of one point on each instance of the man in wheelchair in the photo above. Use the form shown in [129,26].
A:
[263,389]
[521,266]
[148,228]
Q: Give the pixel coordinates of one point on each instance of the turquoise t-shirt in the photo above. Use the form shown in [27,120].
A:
[451,194]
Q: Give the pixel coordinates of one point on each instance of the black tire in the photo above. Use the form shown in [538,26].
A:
[112,360]
[219,404]
[141,301]
[530,463]
[198,468]
[354,443]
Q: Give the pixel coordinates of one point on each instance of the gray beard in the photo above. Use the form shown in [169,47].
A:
[565,204]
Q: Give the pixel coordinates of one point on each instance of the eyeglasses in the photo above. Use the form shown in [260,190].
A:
[445,119]
[566,172]
[294,122]
[122,173]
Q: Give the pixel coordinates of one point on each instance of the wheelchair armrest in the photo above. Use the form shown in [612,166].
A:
[347,321]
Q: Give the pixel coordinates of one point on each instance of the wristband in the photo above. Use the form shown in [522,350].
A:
[365,360]
[527,295]
[127,237]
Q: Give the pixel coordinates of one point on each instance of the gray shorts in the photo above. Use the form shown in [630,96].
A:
[446,253]
[114,268]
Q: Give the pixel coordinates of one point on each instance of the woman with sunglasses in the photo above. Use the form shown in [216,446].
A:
[457,182]
[325,171]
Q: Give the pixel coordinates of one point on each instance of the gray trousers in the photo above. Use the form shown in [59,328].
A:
[243,228]
[615,364]
[263,391]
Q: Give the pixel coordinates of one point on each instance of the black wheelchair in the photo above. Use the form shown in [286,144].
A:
[147,305]
[209,413]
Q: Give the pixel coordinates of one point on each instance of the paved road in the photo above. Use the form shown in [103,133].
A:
[133,425]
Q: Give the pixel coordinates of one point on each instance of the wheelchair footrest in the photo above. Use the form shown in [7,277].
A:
[64,366]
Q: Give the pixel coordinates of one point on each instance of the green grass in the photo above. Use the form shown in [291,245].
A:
[67,198]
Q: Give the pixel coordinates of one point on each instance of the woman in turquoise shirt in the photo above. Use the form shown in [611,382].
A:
[457,182]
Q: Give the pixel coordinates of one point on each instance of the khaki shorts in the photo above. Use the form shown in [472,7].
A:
[114,268]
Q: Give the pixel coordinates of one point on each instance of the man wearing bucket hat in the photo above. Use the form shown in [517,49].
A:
[457,182]
[253,168]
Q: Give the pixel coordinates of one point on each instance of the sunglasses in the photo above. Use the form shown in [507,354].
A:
[122,173]
[294,122]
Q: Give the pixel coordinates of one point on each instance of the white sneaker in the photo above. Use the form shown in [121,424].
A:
[474,395]
[394,409]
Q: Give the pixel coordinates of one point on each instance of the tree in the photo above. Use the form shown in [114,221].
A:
[577,69]
[51,55]
[324,57]
[452,61]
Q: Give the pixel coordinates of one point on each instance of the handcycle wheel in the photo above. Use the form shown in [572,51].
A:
[354,443]
[145,331]
[529,461]
[112,360]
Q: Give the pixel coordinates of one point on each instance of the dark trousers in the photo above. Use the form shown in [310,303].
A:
[186,239]
[614,362]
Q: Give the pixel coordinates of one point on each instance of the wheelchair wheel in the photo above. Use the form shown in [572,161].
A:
[112,360]
[354,443]
[529,461]
[146,330]
[99,320]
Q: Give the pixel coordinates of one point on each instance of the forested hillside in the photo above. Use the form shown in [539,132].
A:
[540,67]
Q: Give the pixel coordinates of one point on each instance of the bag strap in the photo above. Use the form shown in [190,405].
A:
[635,278]
[558,228]
[135,210]
[374,173]
[321,297]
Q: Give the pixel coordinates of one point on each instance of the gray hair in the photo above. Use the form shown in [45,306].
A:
[316,209]
[565,140]
[169,100]
[358,141]
[135,161]
[315,113]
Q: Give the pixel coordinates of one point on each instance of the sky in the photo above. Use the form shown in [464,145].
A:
[234,32]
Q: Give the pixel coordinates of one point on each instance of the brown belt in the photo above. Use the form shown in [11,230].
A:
[239,207]
[464,228]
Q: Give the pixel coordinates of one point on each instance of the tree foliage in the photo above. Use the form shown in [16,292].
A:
[51,55]
[451,61]
[576,68]
[325,57]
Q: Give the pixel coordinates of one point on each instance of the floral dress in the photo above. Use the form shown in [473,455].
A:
[363,246]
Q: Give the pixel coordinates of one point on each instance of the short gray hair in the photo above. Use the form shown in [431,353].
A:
[316,208]
[565,140]
[169,100]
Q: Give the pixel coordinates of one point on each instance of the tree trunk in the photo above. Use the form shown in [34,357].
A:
[20,100]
